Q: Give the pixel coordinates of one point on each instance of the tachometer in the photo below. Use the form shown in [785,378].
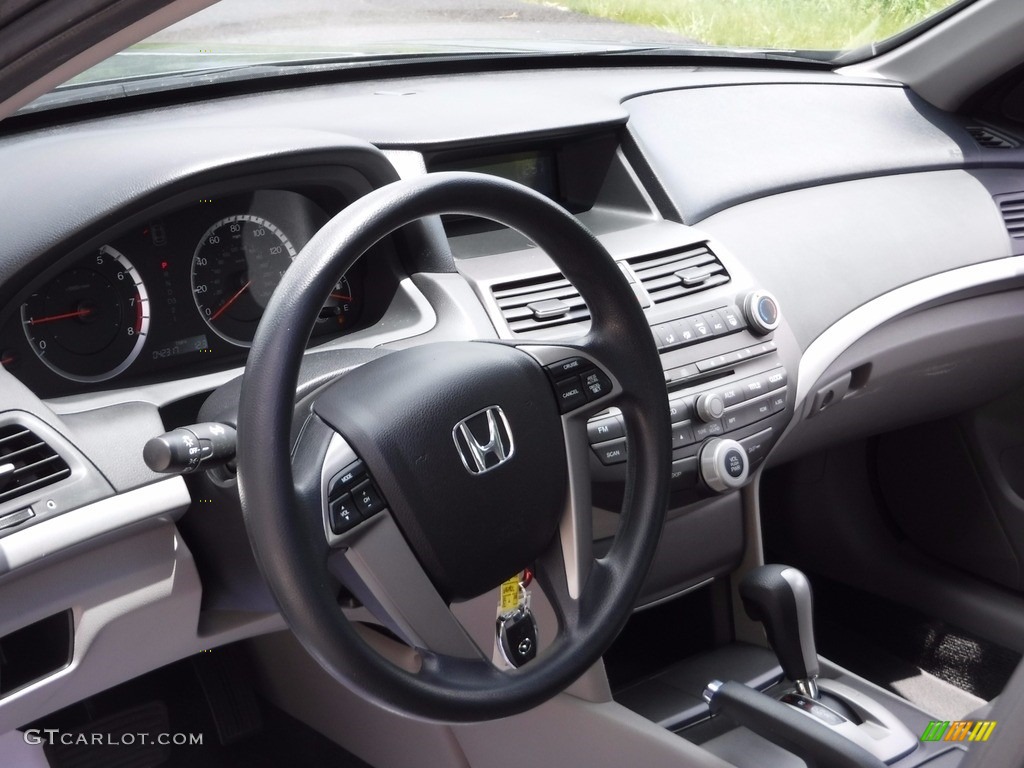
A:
[236,267]
[89,323]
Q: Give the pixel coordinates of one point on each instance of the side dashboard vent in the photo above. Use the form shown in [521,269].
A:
[668,276]
[1012,209]
[27,463]
[540,302]
[989,139]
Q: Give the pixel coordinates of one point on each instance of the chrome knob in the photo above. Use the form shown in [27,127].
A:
[710,406]
[762,312]
[724,465]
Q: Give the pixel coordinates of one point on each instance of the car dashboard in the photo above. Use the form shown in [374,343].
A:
[790,235]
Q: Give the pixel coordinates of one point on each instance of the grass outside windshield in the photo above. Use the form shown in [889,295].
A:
[782,24]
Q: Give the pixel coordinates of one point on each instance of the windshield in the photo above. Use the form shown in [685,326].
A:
[239,34]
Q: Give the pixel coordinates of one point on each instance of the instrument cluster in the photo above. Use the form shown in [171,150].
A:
[185,289]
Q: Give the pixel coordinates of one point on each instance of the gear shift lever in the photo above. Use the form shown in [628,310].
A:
[780,597]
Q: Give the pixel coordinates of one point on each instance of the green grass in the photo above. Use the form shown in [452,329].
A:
[800,24]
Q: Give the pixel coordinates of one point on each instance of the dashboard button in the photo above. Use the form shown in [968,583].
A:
[667,334]
[776,378]
[733,394]
[704,431]
[755,386]
[716,323]
[613,452]
[609,428]
[684,473]
[680,409]
[700,327]
[757,445]
[570,394]
[682,435]
[777,401]
[733,319]
[684,329]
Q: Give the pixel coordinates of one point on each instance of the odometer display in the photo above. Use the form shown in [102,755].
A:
[90,322]
[236,267]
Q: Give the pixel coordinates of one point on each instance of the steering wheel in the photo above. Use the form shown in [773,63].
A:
[434,474]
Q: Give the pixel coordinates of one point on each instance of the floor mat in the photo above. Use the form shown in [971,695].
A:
[927,661]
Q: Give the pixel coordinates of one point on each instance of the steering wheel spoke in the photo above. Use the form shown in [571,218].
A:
[378,567]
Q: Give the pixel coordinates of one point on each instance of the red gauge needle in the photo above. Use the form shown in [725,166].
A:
[341,297]
[54,318]
[229,302]
[7,360]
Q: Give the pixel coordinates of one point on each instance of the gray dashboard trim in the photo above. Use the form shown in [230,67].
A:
[824,350]
[165,499]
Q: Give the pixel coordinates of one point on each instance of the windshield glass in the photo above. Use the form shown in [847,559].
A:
[236,34]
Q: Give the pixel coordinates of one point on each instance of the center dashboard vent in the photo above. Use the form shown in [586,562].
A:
[551,300]
[27,462]
[667,276]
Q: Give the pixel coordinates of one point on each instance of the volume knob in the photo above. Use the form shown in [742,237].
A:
[724,465]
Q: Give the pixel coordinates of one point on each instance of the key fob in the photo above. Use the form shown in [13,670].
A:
[517,636]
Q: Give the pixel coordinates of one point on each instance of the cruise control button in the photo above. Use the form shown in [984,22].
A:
[595,384]
[613,452]
[344,514]
[570,394]
[367,500]
[568,367]
[609,428]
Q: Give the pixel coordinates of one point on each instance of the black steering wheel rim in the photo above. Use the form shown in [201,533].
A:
[286,544]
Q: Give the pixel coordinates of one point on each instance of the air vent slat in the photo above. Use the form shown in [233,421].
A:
[989,139]
[669,276]
[541,302]
[1012,208]
[29,463]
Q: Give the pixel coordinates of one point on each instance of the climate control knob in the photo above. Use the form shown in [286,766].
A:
[710,407]
[724,465]
[762,311]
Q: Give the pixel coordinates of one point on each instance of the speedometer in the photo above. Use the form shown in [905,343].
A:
[236,267]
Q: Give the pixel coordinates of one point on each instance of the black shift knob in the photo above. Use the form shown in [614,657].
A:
[780,597]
